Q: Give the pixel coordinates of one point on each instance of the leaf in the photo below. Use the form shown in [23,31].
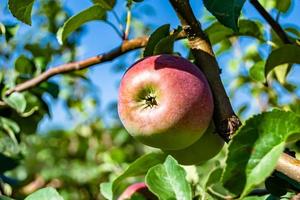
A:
[17,101]
[256,148]
[106,4]
[265,197]
[95,12]
[226,11]
[21,9]
[257,71]
[47,193]
[168,181]
[217,32]
[281,72]
[5,198]
[7,163]
[155,37]
[286,54]
[283,6]
[24,65]
[137,168]
[51,88]
[10,127]
[166,44]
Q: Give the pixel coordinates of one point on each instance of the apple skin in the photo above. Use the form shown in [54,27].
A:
[208,146]
[140,188]
[165,102]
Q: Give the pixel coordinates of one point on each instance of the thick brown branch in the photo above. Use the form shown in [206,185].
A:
[125,47]
[275,26]
[224,117]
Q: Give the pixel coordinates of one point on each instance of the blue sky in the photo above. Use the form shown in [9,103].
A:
[99,38]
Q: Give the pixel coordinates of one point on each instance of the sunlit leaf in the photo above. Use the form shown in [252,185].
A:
[226,11]
[168,181]
[17,101]
[256,147]
[48,193]
[286,54]
[21,9]
[95,12]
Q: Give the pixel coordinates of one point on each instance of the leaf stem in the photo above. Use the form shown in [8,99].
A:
[115,28]
[128,23]
[275,26]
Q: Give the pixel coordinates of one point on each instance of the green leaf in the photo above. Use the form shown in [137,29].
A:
[168,181]
[256,148]
[166,44]
[226,11]
[286,54]
[265,197]
[95,12]
[214,177]
[21,9]
[17,101]
[217,32]
[7,163]
[24,65]
[283,6]
[10,127]
[281,72]
[155,37]
[257,71]
[137,168]
[48,193]
[51,88]
[5,198]
[106,4]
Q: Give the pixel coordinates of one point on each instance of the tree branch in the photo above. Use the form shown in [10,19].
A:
[289,166]
[125,47]
[275,26]
[205,59]
[224,117]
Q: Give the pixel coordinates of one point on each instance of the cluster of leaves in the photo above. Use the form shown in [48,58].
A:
[76,161]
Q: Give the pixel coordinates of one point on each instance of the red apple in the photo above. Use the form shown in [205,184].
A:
[137,188]
[208,146]
[165,102]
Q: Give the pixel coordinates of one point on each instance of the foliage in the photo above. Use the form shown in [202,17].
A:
[93,160]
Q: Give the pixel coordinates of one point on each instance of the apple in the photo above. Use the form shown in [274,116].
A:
[208,146]
[137,189]
[165,102]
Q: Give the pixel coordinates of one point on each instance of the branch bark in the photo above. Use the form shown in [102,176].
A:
[126,46]
[275,26]
[205,59]
[224,117]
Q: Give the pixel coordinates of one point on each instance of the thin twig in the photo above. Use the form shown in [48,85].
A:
[118,20]
[275,26]
[125,47]
[115,28]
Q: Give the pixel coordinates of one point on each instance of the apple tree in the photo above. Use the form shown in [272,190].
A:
[248,58]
